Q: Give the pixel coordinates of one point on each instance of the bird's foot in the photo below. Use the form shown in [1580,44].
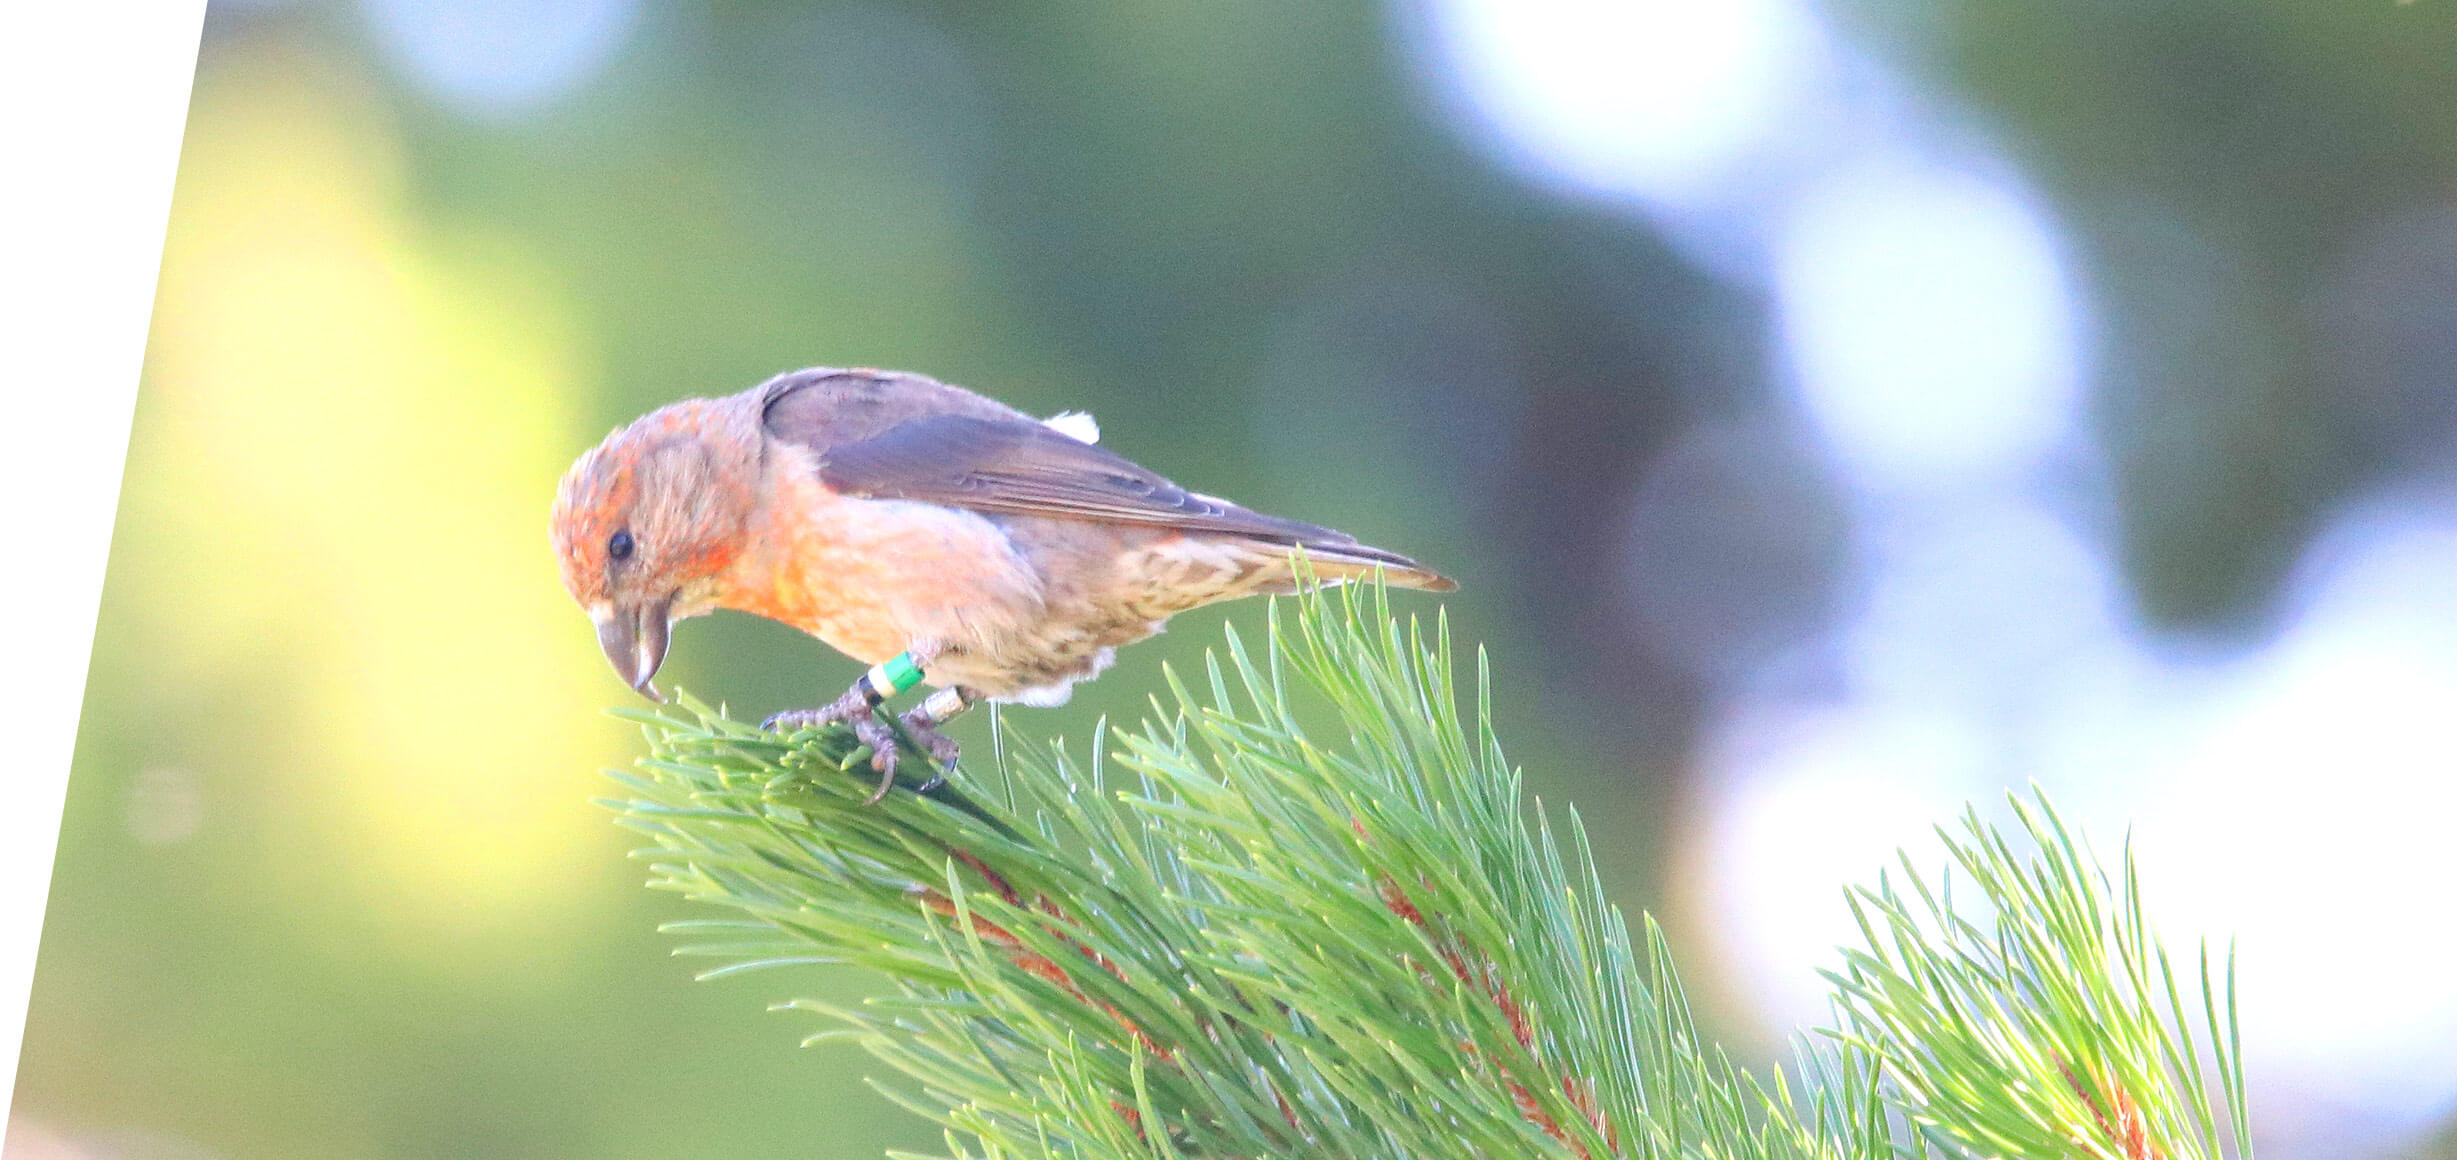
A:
[855,711]
[848,708]
[921,725]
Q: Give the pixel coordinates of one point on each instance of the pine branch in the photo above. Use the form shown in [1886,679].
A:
[1243,935]
[2057,1027]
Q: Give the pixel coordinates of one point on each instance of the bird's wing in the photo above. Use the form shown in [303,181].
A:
[1022,467]
[972,456]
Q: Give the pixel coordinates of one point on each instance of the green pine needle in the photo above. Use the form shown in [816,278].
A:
[1235,934]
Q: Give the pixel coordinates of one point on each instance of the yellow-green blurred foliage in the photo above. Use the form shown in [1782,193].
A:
[331,883]
[348,426]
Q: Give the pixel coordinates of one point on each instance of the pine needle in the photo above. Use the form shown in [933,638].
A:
[1225,935]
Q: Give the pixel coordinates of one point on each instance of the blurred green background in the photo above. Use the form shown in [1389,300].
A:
[330,883]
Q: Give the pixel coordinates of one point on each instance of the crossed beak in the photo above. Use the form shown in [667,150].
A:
[634,637]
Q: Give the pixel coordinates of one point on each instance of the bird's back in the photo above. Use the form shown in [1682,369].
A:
[891,435]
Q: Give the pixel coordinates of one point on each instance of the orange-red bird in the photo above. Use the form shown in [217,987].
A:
[917,526]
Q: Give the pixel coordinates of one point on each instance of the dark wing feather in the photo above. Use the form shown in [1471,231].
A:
[887,436]
[1022,467]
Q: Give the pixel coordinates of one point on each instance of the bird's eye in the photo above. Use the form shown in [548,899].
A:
[619,546]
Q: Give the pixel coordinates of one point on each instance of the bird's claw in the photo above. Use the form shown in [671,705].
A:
[942,749]
[882,742]
[922,732]
[875,735]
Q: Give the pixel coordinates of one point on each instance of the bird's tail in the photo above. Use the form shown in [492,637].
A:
[1340,563]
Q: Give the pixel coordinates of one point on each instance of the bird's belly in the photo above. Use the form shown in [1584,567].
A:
[1105,587]
[873,578]
[1040,664]
[1015,608]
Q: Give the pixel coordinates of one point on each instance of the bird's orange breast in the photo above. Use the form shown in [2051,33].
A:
[870,576]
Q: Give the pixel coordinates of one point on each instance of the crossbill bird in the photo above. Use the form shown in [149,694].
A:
[935,534]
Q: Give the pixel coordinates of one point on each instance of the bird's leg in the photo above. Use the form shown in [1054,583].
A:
[922,722]
[859,708]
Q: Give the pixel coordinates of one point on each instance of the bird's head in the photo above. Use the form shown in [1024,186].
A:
[646,525]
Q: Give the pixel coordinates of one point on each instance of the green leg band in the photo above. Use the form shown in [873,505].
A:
[889,677]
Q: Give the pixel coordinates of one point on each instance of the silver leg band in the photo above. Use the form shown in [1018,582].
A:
[944,705]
